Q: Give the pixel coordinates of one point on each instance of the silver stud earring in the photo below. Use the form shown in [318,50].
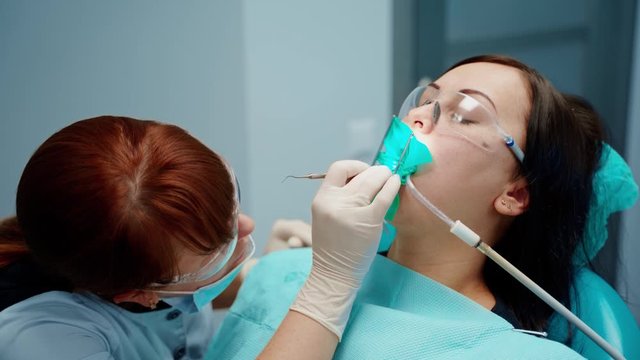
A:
[504,203]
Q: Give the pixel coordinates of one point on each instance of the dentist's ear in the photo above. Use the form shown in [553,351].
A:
[514,200]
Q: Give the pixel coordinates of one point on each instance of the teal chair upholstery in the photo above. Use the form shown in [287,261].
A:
[600,307]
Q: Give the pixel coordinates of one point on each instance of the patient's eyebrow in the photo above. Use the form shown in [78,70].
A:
[478,92]
[468,91]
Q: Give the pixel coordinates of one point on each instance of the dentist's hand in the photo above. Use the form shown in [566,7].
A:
[346,227]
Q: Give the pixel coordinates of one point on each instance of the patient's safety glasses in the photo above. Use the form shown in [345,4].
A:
[459,114]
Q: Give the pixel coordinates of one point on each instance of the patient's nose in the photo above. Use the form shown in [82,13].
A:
[423,119]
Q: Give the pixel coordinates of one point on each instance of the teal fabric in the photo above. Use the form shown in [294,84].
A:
[391,154]
[614,189]
[600,307]
[398,314]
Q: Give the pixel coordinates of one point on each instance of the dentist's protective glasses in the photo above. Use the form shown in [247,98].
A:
[459,114]
[220,258]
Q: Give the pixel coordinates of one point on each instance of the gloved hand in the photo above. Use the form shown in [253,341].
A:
[346,227]
[288,234]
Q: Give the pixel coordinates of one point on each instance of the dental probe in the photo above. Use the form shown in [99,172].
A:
[314,176]
[311,176]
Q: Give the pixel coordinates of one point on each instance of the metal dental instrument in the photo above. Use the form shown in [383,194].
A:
[314,176]
[403,153]
[311,176]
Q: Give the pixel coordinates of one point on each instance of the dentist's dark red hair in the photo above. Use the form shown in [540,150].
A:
[109,204]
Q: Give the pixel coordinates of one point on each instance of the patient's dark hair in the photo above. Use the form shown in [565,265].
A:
[563,145]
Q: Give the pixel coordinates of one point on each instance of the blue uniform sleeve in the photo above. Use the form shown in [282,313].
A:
[53,341]
[54,328]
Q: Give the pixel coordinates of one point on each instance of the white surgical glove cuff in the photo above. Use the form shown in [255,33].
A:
[326,301]
[345,248]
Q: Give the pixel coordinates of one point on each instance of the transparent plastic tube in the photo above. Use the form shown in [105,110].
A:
[424,201]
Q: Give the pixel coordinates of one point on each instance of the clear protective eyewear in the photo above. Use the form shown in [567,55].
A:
[221,257]
[217,283]
[461,115]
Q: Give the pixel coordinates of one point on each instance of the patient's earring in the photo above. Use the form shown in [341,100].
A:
[504,203]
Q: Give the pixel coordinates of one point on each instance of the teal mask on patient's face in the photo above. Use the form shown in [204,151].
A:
[400,151]
[403,154]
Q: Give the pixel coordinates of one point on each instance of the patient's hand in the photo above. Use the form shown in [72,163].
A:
[287,234]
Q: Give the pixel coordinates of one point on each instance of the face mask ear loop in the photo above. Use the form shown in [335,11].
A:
[472,239]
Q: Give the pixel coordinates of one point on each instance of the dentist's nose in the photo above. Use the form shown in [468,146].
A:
[423,119]
[245,225]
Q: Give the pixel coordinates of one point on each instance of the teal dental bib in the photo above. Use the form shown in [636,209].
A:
[398,314]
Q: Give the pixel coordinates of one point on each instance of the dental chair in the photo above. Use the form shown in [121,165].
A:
[593,300]
[600,307]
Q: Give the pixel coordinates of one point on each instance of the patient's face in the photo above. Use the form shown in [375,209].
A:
[464,178]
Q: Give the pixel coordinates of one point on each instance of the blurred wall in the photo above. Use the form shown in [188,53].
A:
[69,60]
[278,87]
[314,71]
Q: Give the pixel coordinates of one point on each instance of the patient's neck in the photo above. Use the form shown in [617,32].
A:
[445,259]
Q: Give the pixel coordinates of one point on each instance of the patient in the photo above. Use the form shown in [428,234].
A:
[431,295]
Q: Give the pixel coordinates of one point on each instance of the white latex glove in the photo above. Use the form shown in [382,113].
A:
[346,227]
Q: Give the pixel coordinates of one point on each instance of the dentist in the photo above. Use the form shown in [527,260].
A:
[127,230]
